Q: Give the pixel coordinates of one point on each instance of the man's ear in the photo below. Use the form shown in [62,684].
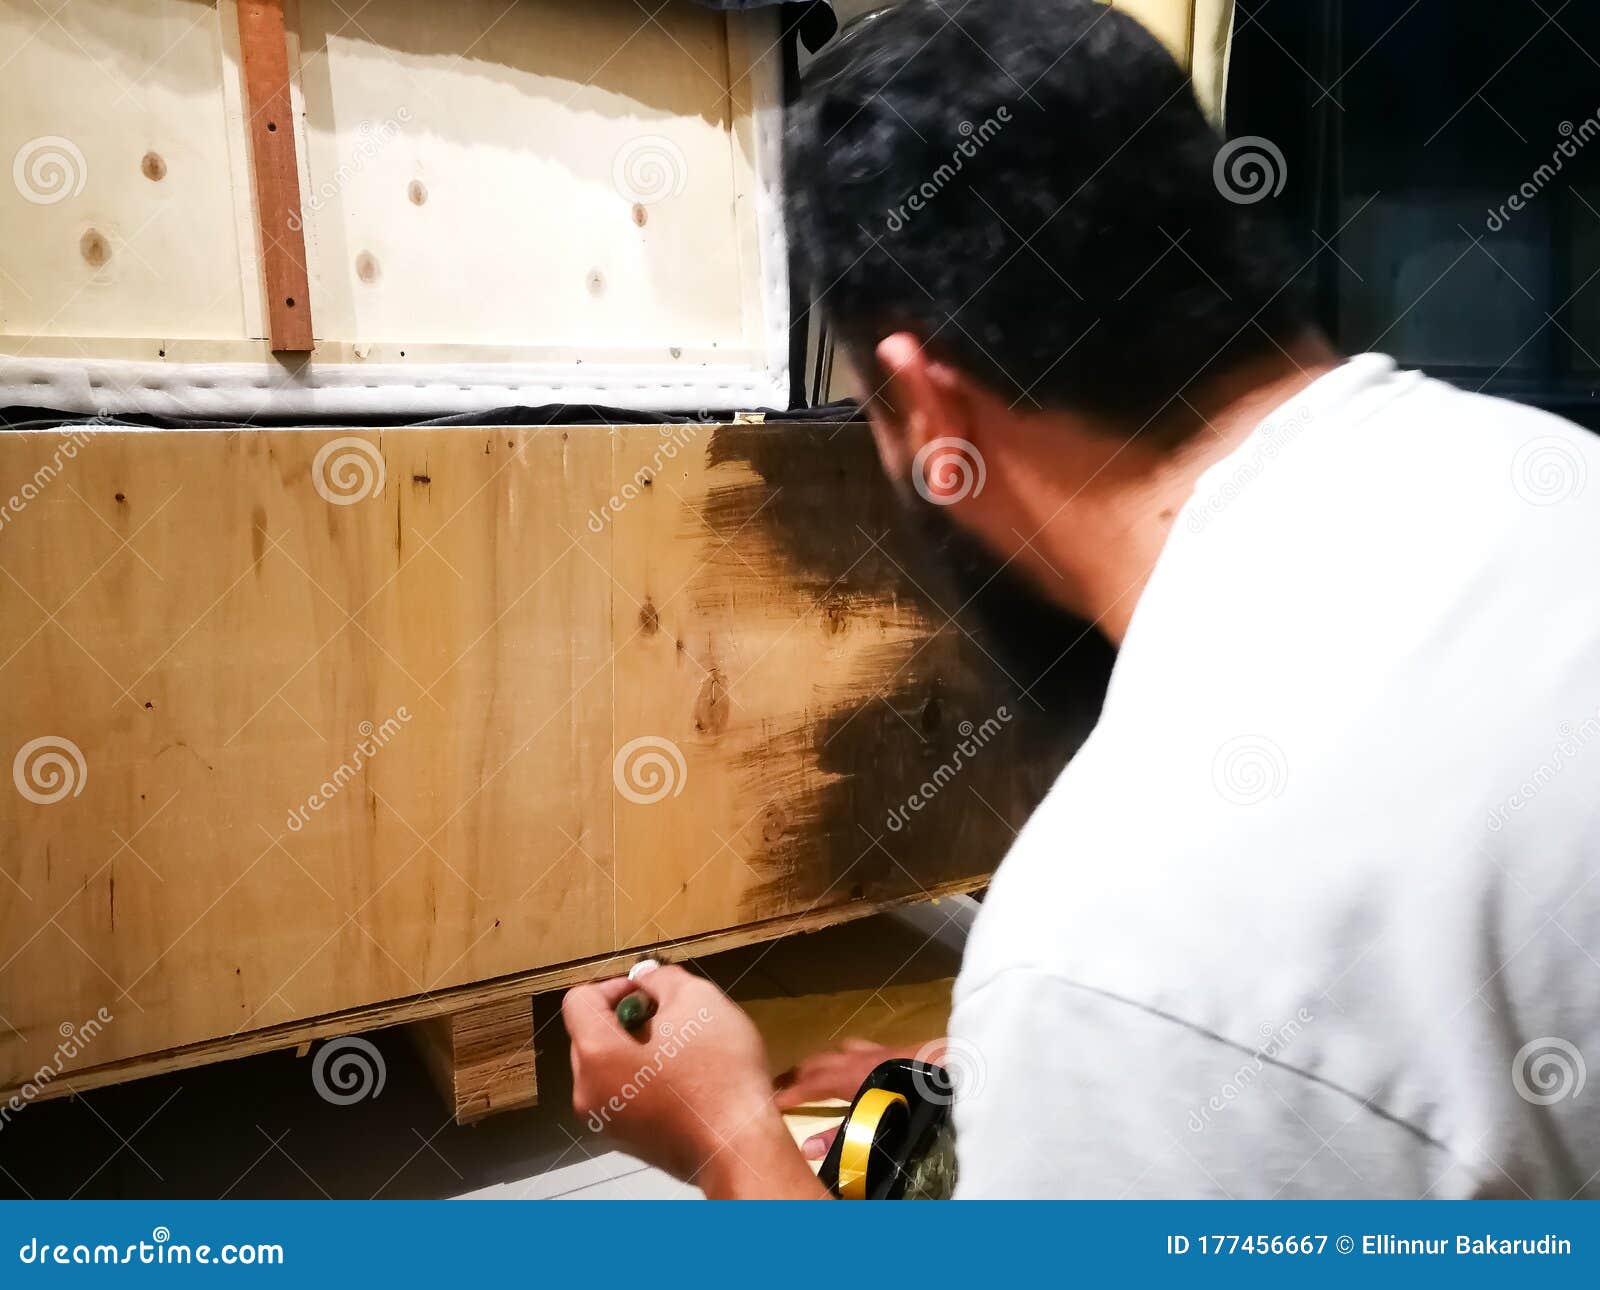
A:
[920,401]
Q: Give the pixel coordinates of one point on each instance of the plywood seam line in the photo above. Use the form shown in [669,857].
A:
[264,51]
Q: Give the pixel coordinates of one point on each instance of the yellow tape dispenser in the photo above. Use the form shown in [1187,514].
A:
[895,1142]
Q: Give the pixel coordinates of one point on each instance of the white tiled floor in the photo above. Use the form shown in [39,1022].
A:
[257,1128]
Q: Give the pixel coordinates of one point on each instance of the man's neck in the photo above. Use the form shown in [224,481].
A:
[1101,534]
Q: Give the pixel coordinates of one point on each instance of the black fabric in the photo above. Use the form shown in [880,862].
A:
[550,414]
[814,20]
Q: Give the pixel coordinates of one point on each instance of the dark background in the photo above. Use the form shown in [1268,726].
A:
[1403,127]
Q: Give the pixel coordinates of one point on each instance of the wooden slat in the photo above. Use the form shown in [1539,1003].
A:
[300,1034]
[264,49]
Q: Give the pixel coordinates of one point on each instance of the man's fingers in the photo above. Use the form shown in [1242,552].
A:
[816,1146]
[815,1080]
[787,1099]
[664,983]
[589,1011]
[791,1091]
[613,989]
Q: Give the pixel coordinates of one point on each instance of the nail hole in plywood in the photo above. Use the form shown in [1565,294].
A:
[289,301]
[272,127]
[153,167]
[417,191]
[367,267]
[94,248]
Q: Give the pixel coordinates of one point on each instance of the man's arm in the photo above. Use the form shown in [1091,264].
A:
[764,1166]
[1076,1094]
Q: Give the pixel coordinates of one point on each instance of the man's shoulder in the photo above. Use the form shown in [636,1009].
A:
[1343,771]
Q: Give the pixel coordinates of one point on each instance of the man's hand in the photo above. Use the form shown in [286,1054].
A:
[688,1092]
[840,1073]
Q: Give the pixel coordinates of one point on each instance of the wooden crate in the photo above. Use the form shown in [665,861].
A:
[313,731]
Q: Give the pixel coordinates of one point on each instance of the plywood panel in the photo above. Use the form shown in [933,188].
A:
[311,728]
[538,174]
[782,660]
[117,216]
[330,753]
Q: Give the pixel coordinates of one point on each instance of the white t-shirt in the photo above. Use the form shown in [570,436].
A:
[1316,909]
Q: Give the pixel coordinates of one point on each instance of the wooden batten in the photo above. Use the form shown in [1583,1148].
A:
[264,53]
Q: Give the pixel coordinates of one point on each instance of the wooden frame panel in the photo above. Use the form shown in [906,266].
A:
[311,729]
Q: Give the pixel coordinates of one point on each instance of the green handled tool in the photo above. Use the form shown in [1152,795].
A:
[635,1009]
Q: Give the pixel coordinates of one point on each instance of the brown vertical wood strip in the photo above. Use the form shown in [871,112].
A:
[264,50]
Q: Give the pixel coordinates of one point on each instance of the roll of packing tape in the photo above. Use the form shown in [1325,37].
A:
[876,1114]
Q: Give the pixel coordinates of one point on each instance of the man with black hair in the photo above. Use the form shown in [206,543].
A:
[1316,909]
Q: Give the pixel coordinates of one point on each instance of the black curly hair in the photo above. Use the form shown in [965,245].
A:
[1028,187]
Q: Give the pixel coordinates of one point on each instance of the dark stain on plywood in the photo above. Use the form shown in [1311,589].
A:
[937,755]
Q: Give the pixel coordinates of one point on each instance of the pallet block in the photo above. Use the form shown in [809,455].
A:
[482,1058]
